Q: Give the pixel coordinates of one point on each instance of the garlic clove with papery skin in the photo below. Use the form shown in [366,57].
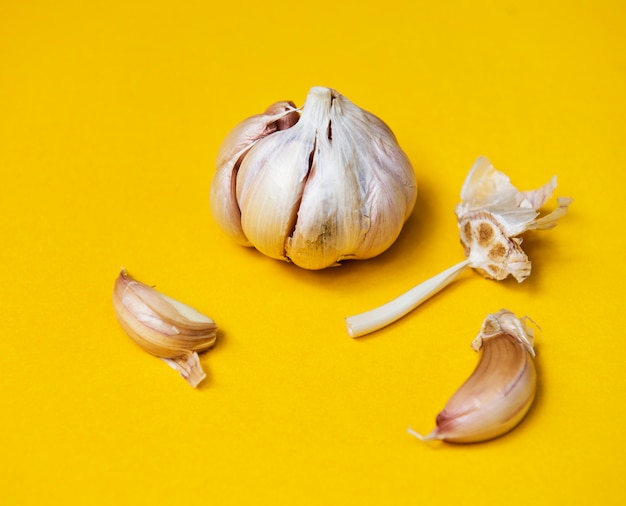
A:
[491,217]
[360,189]
[333,185]
[164,327]
[278,116]
[498,394]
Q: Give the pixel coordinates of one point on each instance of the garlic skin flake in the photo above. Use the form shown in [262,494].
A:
[500,391]
[492,216]
[313,186]
[164,327]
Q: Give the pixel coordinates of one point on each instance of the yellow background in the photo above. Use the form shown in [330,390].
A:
[111,114]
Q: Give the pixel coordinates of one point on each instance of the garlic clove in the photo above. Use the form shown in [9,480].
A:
[279,116]
[277,168]
[491,217]
[500,391]
[334,185]
[163,326]
[344,213]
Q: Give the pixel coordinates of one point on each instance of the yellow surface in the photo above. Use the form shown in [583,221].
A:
[111,114]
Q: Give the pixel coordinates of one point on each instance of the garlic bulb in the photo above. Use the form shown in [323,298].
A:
[492,216]
[499,393]
[313,186]
[163,327]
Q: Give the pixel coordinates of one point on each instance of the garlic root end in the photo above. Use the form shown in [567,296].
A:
[428,437]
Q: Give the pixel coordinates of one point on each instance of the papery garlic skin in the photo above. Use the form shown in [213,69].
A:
[331,186]
[163,326]
[492,216]
[223,201]
[500,391]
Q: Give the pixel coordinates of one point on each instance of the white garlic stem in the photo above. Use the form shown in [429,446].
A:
[377,318]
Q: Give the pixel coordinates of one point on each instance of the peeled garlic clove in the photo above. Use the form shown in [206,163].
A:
[500,391]
[163,327]
[333,185]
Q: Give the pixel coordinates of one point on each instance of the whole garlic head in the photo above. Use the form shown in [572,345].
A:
[315,185]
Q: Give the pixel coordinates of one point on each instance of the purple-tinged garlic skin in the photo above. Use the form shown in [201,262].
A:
[499,393]
[223,199]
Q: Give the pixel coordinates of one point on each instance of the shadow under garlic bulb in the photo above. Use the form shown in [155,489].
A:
[313,186]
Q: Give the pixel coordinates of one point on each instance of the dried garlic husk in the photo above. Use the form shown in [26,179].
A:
[313,186]
[164,327]
[500,391]
[491,217]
